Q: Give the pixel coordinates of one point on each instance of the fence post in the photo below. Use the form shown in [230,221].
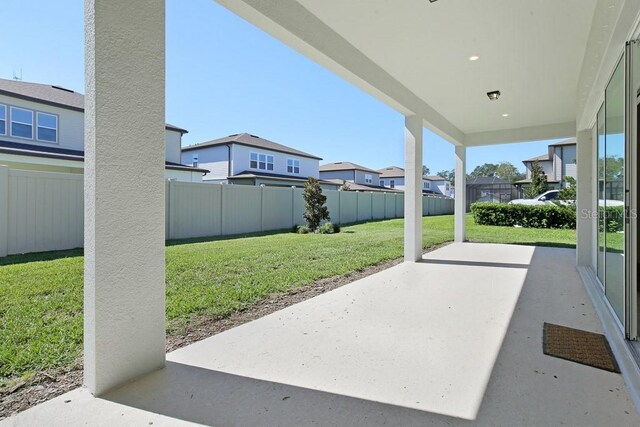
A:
[4,211]
[261,207]
[172,208]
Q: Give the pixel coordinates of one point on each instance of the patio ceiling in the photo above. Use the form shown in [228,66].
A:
[414,56]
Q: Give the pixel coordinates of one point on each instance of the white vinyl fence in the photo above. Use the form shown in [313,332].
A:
[43,211]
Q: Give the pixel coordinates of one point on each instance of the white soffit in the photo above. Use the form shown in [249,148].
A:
[414,56]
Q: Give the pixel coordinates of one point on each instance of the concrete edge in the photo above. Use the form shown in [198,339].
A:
[620,347]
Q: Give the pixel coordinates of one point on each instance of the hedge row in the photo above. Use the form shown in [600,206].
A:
[543,216]
[528,216]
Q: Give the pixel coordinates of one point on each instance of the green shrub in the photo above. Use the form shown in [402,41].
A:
[528,216]
[328,228]
[302,229]
[613,218]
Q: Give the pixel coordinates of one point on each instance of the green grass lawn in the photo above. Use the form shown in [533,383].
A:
[41,294]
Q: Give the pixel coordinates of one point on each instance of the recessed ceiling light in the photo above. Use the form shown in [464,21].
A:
[494,95]
[505,115]
[474,58]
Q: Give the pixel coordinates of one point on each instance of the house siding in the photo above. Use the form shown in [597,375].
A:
[70,124]
[213,159]
[347,175]
[360,178]
[173,141]
[241,162]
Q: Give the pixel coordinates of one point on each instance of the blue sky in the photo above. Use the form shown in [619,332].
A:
[225,76]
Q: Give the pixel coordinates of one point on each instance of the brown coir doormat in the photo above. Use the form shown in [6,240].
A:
[578,346]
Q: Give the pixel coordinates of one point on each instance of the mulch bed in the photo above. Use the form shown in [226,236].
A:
[46,385]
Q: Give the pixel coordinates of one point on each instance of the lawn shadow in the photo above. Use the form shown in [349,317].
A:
[40,256]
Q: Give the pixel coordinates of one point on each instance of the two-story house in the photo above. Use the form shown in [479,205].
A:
[246,159]
[557,163]
[352,176]
[393,177]
[42,128]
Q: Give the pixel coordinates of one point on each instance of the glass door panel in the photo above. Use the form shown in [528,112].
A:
[614,195]
[601,186]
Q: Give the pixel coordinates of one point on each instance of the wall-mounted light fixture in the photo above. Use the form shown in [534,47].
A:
[493,95]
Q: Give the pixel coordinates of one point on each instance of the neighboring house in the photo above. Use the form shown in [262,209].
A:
[246,159]
[358,178]
[393,177]
[42,128]
[557,163]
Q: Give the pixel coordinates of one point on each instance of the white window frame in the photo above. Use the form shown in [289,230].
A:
[6,125]
[57,128]
[293,164]
[267,159]
[392,183]
[368,178]
[426,185]
[382,183]
[32,124]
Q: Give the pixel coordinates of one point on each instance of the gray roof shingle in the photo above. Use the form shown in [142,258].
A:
[251,141]
[55,96]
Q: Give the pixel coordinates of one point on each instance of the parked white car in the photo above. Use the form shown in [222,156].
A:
[551,197]
[545,198]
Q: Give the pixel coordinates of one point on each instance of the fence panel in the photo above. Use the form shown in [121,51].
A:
[377,205]
[277,208]
[44,211]
[348,207]
[364,209]
[241,211]
[333,204]
[298,206]
[389,205]
[194,210]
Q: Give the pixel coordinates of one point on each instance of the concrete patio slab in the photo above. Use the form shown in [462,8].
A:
[452,340]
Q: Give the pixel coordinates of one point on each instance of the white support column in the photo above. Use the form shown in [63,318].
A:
[460,203]
[413,189]
[586,217]
[124,281]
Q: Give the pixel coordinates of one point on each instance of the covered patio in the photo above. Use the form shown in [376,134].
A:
[451,338]
[454,339]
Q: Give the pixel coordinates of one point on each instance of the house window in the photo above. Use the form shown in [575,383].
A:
[368,179]
[261,161]
[3,119]
[392,183]
[382,182]
[426,185]
[293,166]
[21,123]
[47,129]
[194,163]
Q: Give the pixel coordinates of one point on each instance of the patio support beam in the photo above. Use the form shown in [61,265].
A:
[586,220]
[460,203]
[124,270]
[413,188]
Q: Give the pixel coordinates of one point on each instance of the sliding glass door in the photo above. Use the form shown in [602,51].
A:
[614,194]
[617,141]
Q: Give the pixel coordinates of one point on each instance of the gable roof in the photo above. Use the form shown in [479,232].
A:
[55,96]
[345,166]
[249,140]
[542,158]
[391,172]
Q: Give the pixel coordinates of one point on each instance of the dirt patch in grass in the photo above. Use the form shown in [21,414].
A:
[21,394]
